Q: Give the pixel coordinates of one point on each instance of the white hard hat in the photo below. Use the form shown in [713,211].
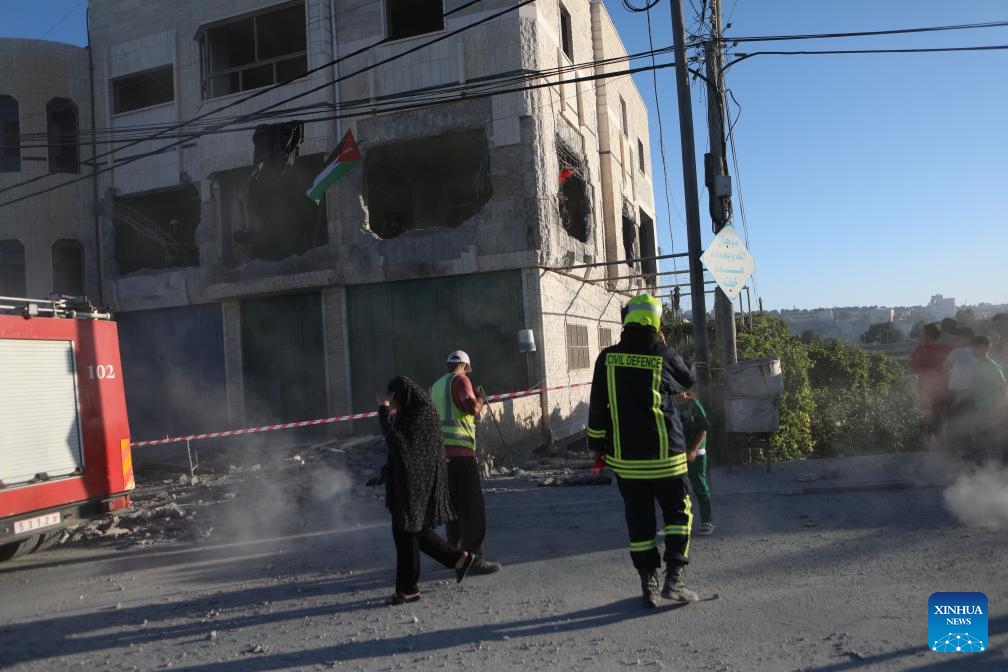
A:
[459,357]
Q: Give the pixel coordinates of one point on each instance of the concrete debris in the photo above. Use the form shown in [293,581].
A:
[260,486]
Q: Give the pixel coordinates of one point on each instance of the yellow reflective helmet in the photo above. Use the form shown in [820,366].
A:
[645,310]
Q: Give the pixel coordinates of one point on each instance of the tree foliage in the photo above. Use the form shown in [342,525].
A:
[883,332]
[864,402]
[772,337]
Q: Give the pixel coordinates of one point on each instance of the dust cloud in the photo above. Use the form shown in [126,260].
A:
[980,499]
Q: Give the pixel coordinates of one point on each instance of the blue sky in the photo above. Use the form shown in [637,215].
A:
[866,180]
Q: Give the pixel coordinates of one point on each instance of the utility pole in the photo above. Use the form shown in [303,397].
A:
[716,175]
[692,198]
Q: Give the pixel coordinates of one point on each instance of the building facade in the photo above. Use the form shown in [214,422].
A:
[504,183]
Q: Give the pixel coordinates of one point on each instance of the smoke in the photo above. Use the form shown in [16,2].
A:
[980,499]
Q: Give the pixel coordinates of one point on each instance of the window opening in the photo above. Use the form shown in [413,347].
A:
[12,268]
[640,155]
[68,267]
[572,197]
[623,115]
[604,337]
[577,347]
[157,230]
[439,181]
[10,135]
[630,235]
[266,214]
[648,248]
[143,89]
[566,34]
[408,18]
[254,51]
[61,114]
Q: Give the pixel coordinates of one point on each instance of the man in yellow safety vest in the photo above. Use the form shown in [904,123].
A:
[459,406]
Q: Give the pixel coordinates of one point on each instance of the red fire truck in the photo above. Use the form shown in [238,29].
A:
[65,443]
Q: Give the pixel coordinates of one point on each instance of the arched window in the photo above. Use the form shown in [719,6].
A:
[12,268]
[62,126]
[68,267]
[10,136]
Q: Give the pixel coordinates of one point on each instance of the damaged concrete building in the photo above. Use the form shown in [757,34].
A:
[485,204]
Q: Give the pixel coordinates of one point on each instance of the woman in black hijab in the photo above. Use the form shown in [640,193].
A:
[416,489]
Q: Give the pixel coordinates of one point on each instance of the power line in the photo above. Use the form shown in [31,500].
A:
[365,112]
[840,52]
[661,146]
[868,33]
[278,85]
[439,94]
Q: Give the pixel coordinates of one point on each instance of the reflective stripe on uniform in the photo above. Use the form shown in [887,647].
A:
[643,545]
[596,433]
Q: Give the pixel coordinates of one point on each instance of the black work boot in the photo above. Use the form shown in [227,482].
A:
[649,587]
[675,588]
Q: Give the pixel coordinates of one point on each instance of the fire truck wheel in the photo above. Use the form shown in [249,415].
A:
[47,540]
[16,549]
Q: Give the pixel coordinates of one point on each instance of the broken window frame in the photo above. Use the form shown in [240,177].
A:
[67,270]
[13,279]
[239,73]
[405,34]
[631,236]
[10,135]
[62,137]
[566,33]
[578,355]
[573,159]
[156,81]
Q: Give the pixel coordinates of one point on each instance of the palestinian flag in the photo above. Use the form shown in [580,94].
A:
[565,174]
[341,161]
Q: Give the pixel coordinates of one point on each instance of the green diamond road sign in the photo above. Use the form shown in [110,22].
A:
[729,261]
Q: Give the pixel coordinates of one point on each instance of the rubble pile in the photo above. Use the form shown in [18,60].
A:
[255,490]
[293,487]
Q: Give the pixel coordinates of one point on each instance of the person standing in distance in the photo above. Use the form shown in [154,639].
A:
[459,406]
[634,422]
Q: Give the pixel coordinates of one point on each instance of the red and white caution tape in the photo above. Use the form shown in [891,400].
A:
[324,421]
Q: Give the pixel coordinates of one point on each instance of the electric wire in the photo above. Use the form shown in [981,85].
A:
[446,93]
[864,33]
[364,112]
[310,71]
[843,52]
[661,147]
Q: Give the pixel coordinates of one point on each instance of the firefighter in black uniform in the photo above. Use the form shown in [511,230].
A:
[634,422]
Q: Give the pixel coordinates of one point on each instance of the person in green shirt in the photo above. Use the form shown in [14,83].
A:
[990,399]
[695,426]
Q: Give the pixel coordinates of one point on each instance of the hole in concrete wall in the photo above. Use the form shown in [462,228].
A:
[630,236]
[270,218]
[422,184]
[573,198]
[648,248]
[157,230]
[68,267]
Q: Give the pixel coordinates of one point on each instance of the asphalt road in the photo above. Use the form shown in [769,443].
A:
[833,581]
